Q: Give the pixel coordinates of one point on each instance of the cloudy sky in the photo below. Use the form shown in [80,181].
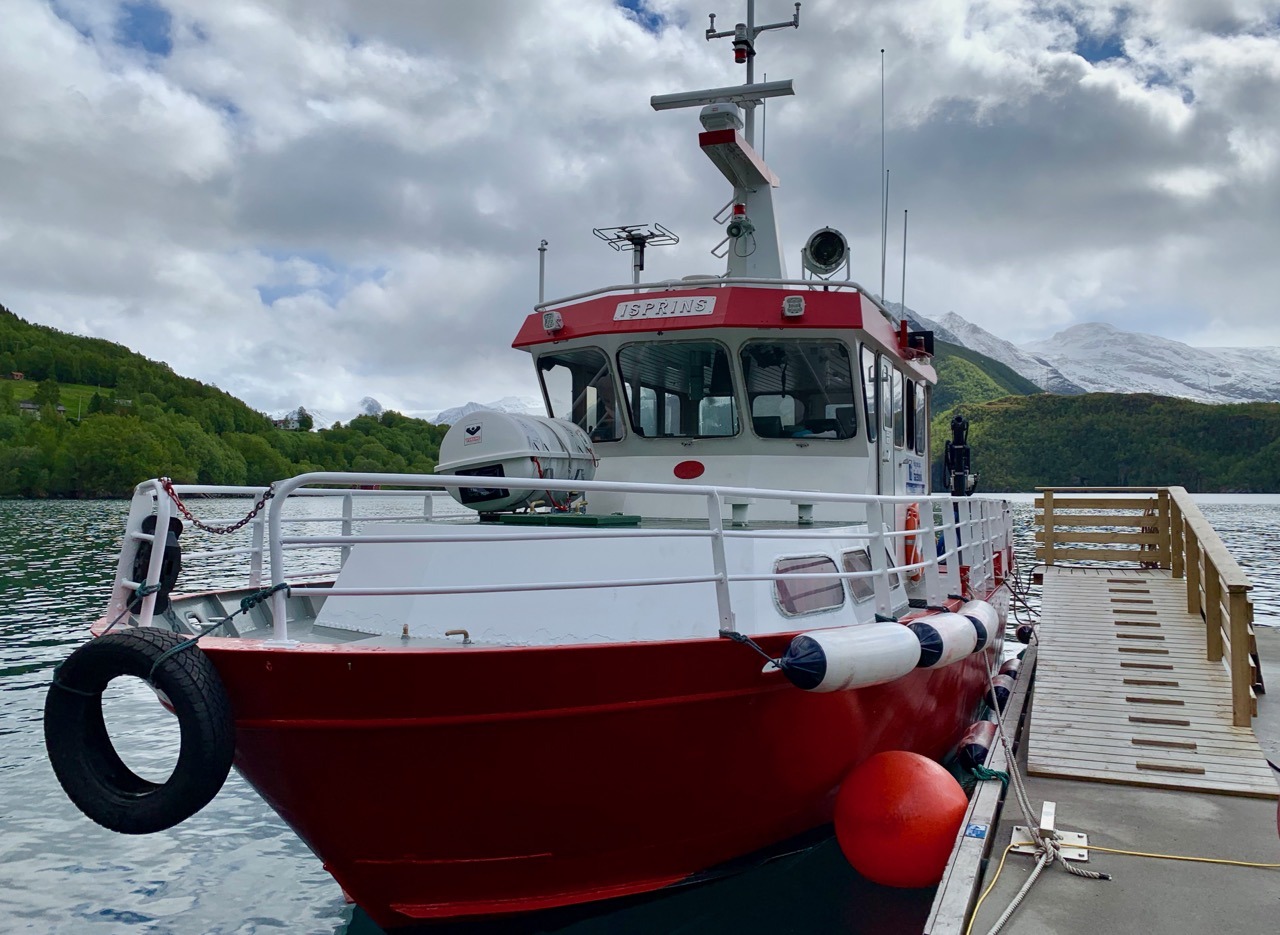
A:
[313,201]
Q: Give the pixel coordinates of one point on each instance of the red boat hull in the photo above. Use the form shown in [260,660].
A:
[437,784]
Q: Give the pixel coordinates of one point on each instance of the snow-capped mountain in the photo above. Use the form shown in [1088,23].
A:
[1103,359]
[1035,367]
[520,405]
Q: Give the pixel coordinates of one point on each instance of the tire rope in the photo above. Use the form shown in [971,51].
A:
[247,603]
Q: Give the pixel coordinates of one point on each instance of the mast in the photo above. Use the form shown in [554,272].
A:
[755,249]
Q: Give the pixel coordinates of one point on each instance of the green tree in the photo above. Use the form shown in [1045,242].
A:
[48,393]
[112,454]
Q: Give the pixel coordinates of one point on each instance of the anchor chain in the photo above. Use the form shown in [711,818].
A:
[267,494]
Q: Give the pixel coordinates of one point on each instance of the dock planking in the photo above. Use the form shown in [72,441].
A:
[1124,693]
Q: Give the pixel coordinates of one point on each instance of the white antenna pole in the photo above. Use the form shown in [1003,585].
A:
[884,235]
[542,272]
[904,263]
[764,118]
[884,181]
[751,74]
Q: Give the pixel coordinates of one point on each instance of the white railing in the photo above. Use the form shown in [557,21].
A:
[973,531]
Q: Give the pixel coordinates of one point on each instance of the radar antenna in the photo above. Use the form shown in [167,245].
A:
[635,237]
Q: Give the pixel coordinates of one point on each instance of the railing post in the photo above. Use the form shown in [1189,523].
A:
[1163,550]
[1212,610]
[163,505]
[255,540]
[929,553]
[1176,559]
[1048,527]
[879,557]
[347,513]
[951,544]
[1239,612]
[719,565]
[1193,570]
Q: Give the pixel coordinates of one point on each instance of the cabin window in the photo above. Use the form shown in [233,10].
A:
[899,412]
[800,389]
[922,417]
[578,385]
[679,389]
[870,410]
[800,596]
[911,413]
[884,381]
[864,588]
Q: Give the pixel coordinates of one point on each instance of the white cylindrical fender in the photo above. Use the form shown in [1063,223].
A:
[944,639]
[986,621]
[850,657]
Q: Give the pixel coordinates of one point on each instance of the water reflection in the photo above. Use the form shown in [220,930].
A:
[235,867]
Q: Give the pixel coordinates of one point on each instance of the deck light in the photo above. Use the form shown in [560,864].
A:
[825,251]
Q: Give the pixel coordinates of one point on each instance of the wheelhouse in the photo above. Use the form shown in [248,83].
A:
[728,384]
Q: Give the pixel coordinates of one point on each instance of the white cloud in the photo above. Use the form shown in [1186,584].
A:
[311,201]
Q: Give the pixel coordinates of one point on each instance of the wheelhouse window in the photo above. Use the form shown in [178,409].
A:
[899,412]
[922,417]
[578,385]
[800,596]
[800,389]
[869,398]
[679,389]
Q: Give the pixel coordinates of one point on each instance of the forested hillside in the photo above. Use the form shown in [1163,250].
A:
[966,376]
[143,420]
[1108,439]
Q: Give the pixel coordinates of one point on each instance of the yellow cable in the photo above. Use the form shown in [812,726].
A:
[1203,860]
[987,892]
[1114,850]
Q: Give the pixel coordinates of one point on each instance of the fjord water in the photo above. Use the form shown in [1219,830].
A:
[236,868]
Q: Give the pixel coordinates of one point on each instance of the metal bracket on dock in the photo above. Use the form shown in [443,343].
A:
[1072,845]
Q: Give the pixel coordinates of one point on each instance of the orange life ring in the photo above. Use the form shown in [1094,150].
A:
[911,544]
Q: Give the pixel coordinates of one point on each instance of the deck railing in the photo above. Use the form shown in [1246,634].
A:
[972,532]
[1161,527]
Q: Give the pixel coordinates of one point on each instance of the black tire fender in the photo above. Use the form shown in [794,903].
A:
[80,750]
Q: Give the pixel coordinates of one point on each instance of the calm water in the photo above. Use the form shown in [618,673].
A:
[236,868]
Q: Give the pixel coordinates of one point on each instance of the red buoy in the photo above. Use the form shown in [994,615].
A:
[896,819]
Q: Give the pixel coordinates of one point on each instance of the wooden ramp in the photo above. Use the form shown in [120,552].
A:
[1125,695]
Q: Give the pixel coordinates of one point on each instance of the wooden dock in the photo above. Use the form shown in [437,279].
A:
[1125,692]
[1144,674]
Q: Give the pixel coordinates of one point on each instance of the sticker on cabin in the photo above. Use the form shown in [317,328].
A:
[474,435]
[915,477]
[681,307]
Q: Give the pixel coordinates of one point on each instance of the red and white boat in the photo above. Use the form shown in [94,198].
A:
[555,698]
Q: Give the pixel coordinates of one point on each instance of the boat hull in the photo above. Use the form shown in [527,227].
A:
[437,784]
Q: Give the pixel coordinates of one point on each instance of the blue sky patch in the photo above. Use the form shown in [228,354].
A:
[639,11]
[145,25]
[1094,49]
